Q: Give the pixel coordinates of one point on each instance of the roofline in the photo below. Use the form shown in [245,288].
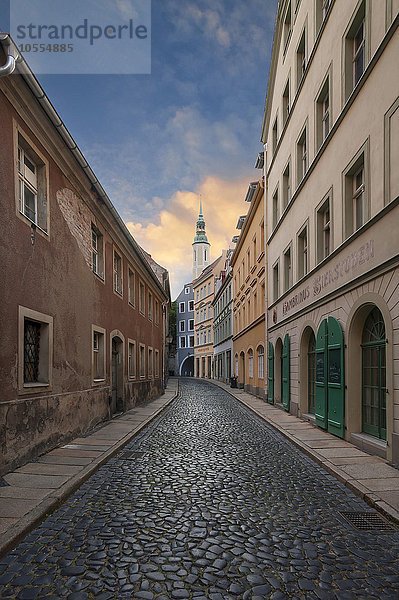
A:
[259,194]
[273,69]
[7,44]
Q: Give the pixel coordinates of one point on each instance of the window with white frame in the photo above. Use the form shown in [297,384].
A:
[287,185]
[97,251]
[150,306]
[276,281]
[287,269]
[276,209]
[191,305]
[356,194]
[132,287]
[323,229]
[187,290]
[275,135]
[322,9]
[182,326]
[301,59]
[142,298]
[355,49]
[35,349]
[182,307]
[286,102]
[287,25]
[323,121]
[132,360]
[261,362]
[118,274]
[191,341]
[142,361]
[250,363]
[302,155]
[303,252]
[32,184]
[191,325]
[98,361]
[182,341]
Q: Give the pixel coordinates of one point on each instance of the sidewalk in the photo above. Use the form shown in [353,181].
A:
[368,476]
[39,487]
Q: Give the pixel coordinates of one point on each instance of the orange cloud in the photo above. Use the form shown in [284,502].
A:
[169,240]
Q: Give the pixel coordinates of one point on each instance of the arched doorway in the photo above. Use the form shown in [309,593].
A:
[242,370]
[307,371]
[270,373]
[278,363]
[311,374]
[187,366]
[374,420]
[117,373]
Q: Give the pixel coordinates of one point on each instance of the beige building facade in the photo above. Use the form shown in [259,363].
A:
[248,264]
[331,130]
[204,293]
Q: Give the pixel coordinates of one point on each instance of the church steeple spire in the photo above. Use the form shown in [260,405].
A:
[201,246]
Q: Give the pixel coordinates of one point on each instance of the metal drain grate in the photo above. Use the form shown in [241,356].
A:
[368,521]
[132,455]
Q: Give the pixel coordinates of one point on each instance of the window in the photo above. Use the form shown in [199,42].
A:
[142,298]
[97,251]
[191,325]
[187,290]
[322,8]
[275,135]
[276,209]
[286,102]
[132,288]
[287,185]
[156,363]
[150,306]
[355,50]
[182,307]
[191,341]
[118,274]
[205,256]
[323,226]
[323,123]
[35,349]
[355,187]
[191,306]
[262,237]
[98,363]
[287,27]
[182,326]
[261,362]
[142,361]
[150,363]
[301,59]
[132,360]
[156,312]
[276,282]
[183,342]
[287,269]
[251,363]
[32,184]
[302,155]
[303,254]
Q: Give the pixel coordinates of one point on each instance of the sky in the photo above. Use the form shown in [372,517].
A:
[192,126]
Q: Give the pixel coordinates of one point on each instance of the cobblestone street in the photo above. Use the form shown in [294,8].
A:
[207,502]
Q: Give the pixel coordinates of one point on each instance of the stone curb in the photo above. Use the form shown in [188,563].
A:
[50,503]
[371,498]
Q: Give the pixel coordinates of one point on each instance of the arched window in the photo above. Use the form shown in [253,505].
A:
[236,365]
[251,363]
[374,375]
[261,362]
[312,374]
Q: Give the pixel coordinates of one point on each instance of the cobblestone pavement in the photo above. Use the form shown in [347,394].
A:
[212,504]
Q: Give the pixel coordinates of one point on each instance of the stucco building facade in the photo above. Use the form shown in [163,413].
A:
[185,332]
[248,264]
[223,324]
[83,315]
[332,132]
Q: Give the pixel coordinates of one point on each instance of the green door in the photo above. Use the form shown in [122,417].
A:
[321,369]
[270,374]
[335,379]
[286,373]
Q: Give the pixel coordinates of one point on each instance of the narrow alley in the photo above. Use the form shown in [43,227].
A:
[207,502]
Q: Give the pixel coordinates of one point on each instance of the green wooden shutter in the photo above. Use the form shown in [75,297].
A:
[335,378]
[286,373]
[321,373]
[270,374]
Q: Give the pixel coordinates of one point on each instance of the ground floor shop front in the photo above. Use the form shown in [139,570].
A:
[249,358]
[336,361]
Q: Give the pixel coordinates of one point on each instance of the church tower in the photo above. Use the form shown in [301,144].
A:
[201,247]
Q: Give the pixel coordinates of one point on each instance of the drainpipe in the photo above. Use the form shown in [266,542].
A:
[266,299]
[9,67]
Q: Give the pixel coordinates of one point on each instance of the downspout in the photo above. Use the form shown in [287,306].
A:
[9,67]
[266,299]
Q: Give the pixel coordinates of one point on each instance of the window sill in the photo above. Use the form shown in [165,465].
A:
[37,384]
[99,276]
[95,381]
[132,305]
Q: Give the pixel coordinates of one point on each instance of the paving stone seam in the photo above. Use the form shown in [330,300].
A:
[50,503]
[370,498]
